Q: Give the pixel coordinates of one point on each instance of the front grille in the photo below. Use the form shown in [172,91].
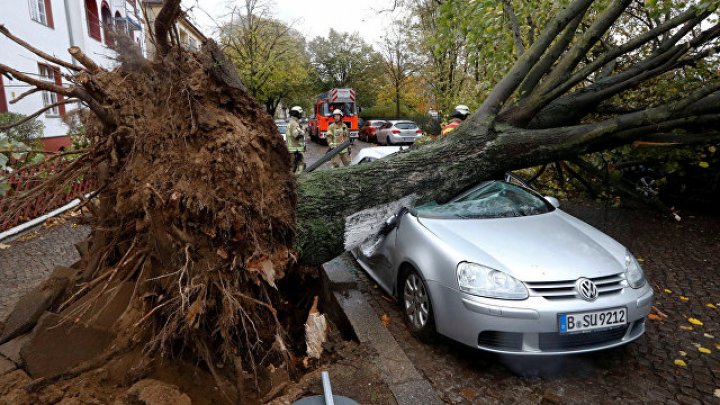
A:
[557,342]
[559,290]
[500,340]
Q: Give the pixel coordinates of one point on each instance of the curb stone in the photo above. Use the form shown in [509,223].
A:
[340,286]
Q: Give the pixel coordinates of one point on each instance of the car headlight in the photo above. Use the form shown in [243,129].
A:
[486,282]
[633,271]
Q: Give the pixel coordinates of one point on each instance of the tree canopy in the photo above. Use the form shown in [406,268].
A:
[269,54]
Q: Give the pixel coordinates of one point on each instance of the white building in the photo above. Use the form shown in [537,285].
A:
[53,26]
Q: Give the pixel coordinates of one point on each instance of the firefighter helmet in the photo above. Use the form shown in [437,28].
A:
[463,109]
[459,114]
[296,111]
[338,112]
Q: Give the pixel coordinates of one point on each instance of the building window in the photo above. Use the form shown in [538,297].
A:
[93,19]
[192,44]
[107,23]
[41,11]
[52,75]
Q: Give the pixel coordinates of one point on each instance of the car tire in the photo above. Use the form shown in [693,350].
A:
[417,308]
[388,141]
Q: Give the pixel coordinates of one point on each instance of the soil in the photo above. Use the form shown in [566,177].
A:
[349,363]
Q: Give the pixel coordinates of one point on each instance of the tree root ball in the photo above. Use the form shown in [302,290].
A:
[196,204]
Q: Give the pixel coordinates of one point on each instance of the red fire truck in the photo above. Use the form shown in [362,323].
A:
[325,104]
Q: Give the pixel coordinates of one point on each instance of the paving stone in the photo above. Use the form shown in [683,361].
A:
[29,308]
[337,274]
[6,365]
[58,346]
[407,385]
[11,349]
[25,264]
[415,392]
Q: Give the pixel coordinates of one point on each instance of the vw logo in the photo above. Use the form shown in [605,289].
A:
[587,289]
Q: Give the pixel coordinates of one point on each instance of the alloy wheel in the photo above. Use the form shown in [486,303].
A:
[417,304]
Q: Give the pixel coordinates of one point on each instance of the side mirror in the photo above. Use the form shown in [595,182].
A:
[393,221]
[552,200]
[389,225]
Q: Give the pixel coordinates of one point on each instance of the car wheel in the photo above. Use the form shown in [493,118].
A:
[388,141]
[417,307]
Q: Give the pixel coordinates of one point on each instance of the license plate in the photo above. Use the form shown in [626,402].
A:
[410,139]
[586,321]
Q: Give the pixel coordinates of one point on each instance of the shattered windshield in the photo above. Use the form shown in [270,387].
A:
[494,199]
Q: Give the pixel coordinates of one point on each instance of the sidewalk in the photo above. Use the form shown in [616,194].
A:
[25,263]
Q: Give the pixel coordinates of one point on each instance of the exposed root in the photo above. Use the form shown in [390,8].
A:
[196,207]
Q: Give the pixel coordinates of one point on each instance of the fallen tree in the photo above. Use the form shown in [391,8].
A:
[198,208]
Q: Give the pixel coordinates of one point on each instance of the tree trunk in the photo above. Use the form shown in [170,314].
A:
[397,101]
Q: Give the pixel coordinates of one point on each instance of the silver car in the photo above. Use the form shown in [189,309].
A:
[503,269]
[398,131]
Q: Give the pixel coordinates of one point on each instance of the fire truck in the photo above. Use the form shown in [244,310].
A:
[325,104]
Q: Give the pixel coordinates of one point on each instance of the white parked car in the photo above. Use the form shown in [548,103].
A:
[368,155]
[398,131]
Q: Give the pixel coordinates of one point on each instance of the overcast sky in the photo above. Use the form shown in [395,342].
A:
[310,17]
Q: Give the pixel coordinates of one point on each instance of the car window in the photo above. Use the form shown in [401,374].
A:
[406,125]
[494,199]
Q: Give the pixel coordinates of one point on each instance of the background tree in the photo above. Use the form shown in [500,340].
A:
[398,59]
[269,55]
[28,132]
[466,47]
[345,60]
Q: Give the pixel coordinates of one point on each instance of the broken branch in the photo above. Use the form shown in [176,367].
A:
[37,113]
[47,57]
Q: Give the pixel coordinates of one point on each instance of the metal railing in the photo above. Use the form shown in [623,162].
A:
[23,180]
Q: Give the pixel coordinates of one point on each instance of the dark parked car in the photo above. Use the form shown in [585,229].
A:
[685,176]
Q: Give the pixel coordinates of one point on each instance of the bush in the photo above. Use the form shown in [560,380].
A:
[26,133]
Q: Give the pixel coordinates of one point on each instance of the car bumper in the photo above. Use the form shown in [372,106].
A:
[531,326]
[402,139]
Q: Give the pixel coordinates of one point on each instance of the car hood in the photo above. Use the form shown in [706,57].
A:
[379,152]
[548,247]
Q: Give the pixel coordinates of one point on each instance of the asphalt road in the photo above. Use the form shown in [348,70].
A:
[316,151]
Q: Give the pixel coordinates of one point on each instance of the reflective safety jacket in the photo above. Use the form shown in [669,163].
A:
[337,133]
[451,126]
[295,136]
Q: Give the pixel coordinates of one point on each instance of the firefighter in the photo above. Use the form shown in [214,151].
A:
[458,116]
[337,133]
[295,138]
